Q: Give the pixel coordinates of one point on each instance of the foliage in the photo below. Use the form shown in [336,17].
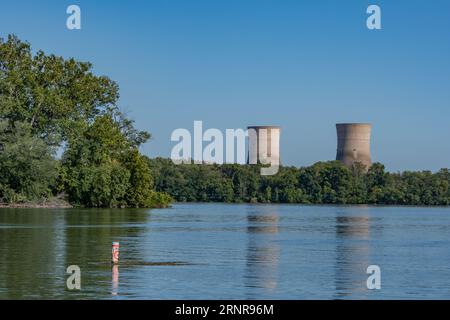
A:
[102,168]
[48,102]
[57,97]
[322,183]
[27,166]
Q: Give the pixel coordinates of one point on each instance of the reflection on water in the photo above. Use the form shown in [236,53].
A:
[352,251]
[115,279]
[32,253]
[219,251]
[262,250]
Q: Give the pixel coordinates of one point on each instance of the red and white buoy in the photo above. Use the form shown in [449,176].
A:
[115,252]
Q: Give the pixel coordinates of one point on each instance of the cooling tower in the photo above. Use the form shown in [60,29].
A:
[264,142]
[354,143]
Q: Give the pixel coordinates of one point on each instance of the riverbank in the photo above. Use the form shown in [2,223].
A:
[159,201]
[54,203]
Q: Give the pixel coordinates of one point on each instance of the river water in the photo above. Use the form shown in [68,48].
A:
[227,251]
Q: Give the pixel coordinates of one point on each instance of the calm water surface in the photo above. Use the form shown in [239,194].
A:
[227,252]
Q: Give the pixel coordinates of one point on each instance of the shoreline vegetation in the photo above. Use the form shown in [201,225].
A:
[65,143]
[62,132]
[324,183]
[51,203]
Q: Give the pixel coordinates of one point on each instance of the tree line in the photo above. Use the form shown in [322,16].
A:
[51,105]
[322,183]
[62,134]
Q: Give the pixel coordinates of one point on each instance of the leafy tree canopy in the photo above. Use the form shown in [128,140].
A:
[48,102]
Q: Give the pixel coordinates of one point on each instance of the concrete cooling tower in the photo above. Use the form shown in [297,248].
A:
[264,140]
[354,143]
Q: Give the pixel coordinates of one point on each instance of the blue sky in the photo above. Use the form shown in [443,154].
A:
[303,65]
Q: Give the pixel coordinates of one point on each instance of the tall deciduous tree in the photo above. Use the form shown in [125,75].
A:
[58,97]
[27,167]
[61,102]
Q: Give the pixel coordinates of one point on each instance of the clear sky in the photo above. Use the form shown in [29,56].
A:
[303,65]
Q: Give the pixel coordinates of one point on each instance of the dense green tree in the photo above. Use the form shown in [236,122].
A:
[27,166]
[321,183]
[103,168]
[54,102]
[57,97]
[140,187]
